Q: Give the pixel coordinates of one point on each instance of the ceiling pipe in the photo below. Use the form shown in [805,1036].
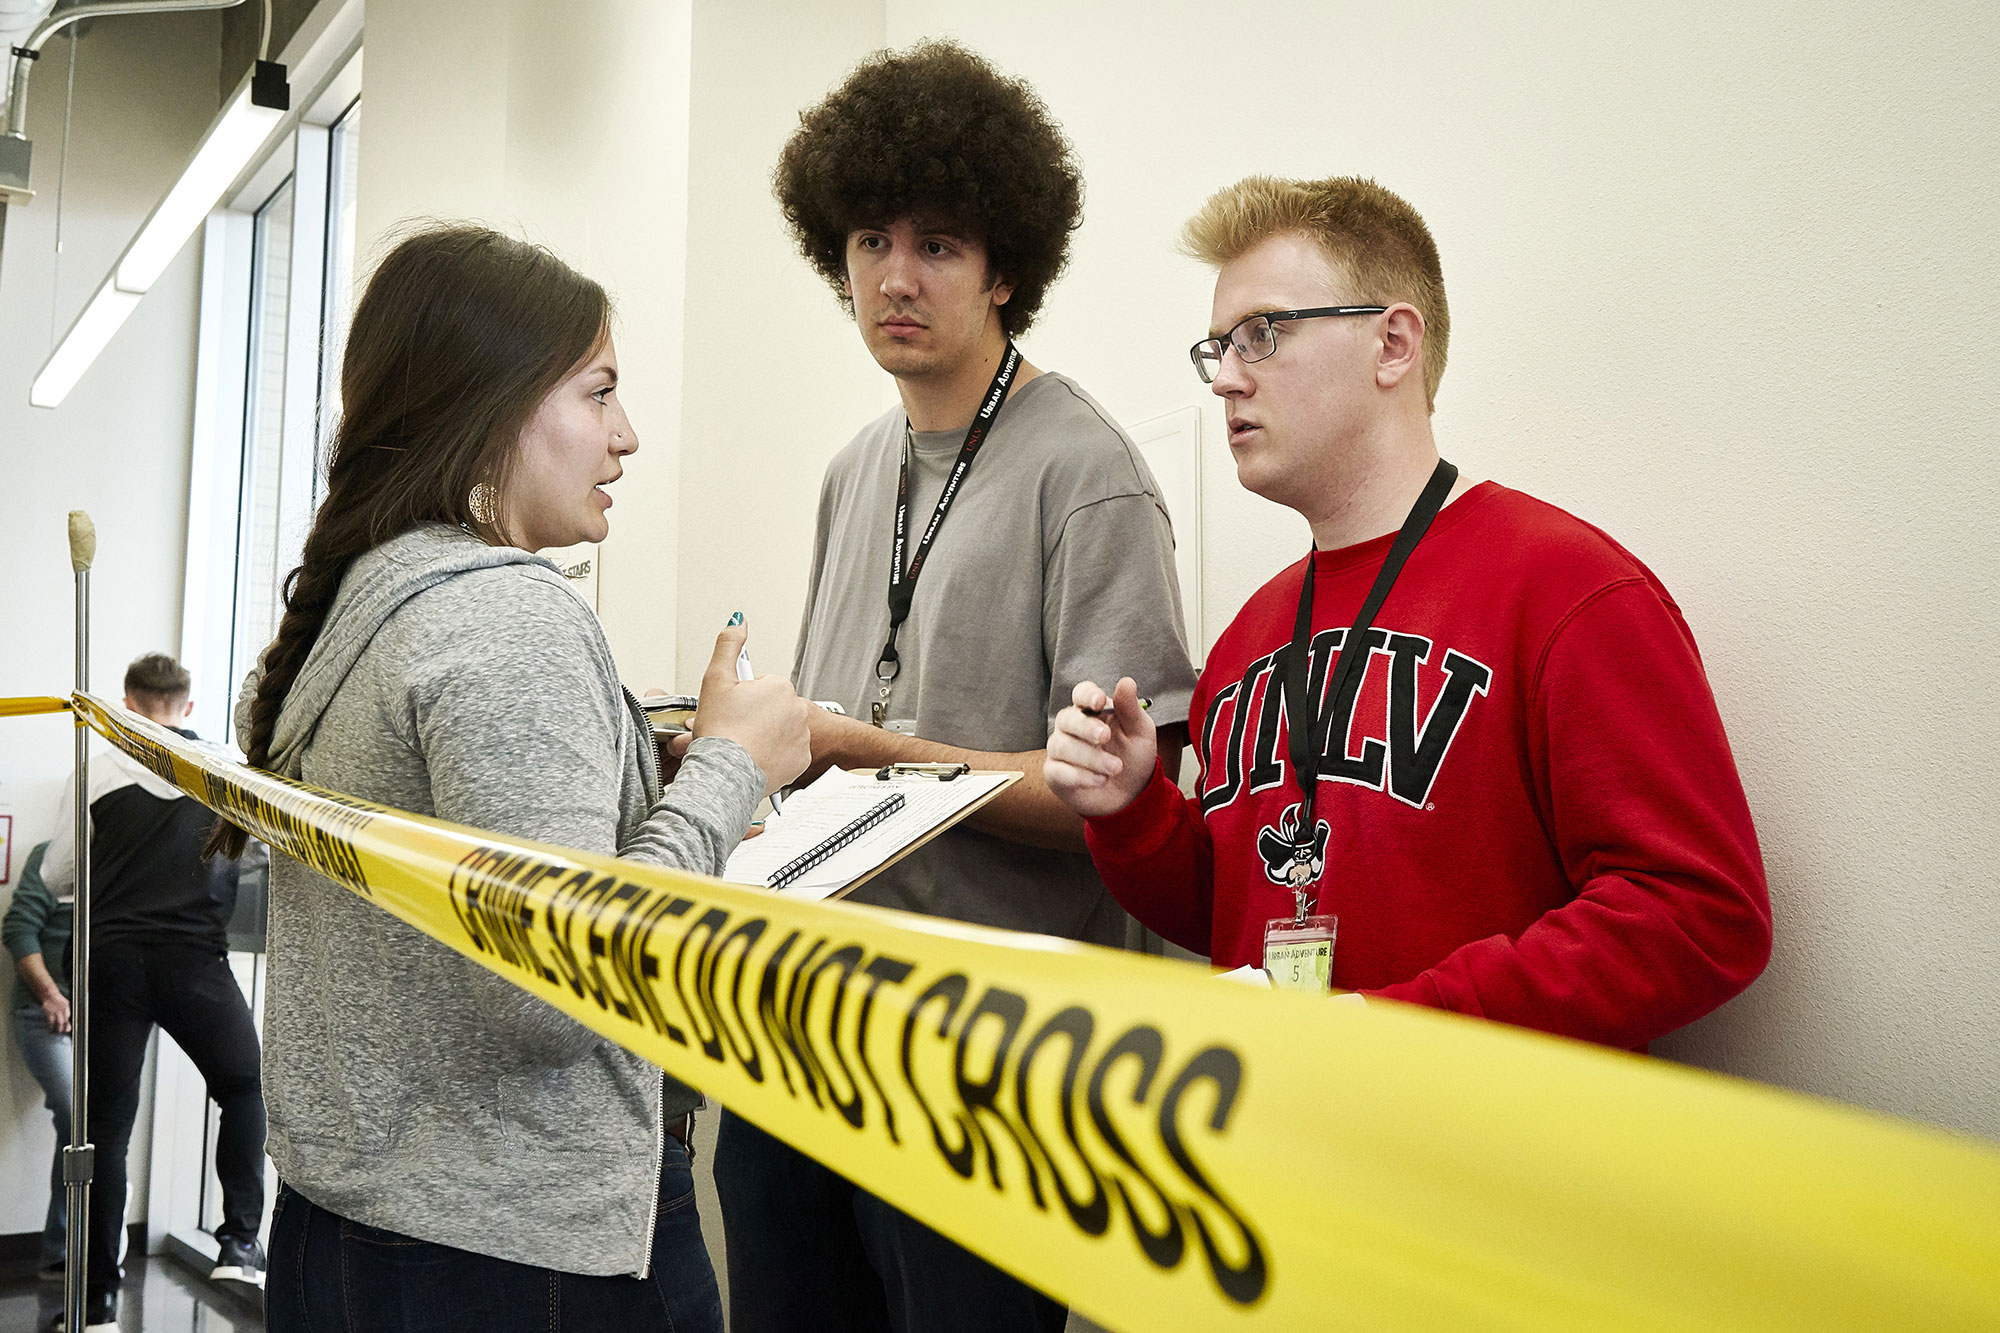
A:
[17,19]
[29,51]
[15,150]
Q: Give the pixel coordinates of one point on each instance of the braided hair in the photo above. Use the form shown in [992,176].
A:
[460,335]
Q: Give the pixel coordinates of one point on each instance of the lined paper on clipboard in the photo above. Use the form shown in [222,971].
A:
[817,828]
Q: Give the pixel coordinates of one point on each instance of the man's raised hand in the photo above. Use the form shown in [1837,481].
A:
[1098,765]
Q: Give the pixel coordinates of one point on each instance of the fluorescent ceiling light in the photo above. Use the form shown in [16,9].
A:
[230,145]
[232,141]
[86,338]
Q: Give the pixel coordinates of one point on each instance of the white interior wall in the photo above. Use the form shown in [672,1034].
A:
[145,92]
[1723,282]
[777,377]
[566,125]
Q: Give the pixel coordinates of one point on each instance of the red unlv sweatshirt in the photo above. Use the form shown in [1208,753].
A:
[1531,814]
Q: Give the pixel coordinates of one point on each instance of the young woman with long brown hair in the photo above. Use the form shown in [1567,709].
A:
[454,1152]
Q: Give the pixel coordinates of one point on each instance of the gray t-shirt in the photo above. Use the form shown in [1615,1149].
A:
[1056,565]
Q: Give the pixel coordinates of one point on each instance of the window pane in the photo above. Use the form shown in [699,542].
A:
[257,601]
[340,206]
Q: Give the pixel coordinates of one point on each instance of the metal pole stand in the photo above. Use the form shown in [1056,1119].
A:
[80,1157]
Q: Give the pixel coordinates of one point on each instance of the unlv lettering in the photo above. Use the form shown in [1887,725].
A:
[1227,701]
[1416,754]
[1400,754]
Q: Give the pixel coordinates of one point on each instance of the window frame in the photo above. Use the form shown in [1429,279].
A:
[225,394]
[183,1194]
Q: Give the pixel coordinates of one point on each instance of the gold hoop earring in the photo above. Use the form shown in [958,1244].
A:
[483,503]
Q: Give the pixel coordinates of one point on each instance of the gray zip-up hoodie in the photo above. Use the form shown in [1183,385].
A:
[409,1088]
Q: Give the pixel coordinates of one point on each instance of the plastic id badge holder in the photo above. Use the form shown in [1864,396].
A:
[1298,952]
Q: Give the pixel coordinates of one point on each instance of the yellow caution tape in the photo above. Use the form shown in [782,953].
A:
[1165,1151]
[30,706]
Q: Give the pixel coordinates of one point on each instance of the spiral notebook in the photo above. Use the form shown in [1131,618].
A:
[847,826]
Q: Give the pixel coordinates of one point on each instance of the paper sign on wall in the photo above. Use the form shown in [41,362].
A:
[579,565]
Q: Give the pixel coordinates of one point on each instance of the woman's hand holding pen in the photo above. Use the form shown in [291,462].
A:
[764,716]
[1098,761]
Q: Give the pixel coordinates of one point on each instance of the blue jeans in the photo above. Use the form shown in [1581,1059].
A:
[49,1059]
[332,1275]
[808,1249]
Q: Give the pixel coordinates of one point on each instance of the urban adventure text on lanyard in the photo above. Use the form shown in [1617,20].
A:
[902,579]
[1309,742]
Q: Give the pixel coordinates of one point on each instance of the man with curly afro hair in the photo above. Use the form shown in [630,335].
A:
[936,197]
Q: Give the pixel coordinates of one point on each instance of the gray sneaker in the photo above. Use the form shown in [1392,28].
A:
[239,1261]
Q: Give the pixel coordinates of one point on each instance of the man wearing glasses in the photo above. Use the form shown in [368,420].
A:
[981,547]
[1464,753]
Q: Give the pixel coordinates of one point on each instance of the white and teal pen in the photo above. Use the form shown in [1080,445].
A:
[743,672]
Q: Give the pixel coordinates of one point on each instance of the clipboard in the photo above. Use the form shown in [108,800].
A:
[823,810]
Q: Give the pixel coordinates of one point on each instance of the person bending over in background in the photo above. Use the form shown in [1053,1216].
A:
[36,930]
[456,1153]
[1520,804]
[936,198]
[159,953]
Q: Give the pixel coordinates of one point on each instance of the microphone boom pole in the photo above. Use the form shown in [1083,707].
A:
[79,1157]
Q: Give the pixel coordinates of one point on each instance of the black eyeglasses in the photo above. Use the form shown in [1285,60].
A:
[1254,338]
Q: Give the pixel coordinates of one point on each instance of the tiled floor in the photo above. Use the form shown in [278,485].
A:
[161,1296]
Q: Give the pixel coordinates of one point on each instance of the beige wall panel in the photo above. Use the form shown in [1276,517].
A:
[565,125]
[777,378]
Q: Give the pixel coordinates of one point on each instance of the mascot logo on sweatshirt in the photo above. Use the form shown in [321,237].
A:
[1289,858]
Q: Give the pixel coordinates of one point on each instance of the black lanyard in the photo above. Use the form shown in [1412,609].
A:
[902,581]
[1309,742]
